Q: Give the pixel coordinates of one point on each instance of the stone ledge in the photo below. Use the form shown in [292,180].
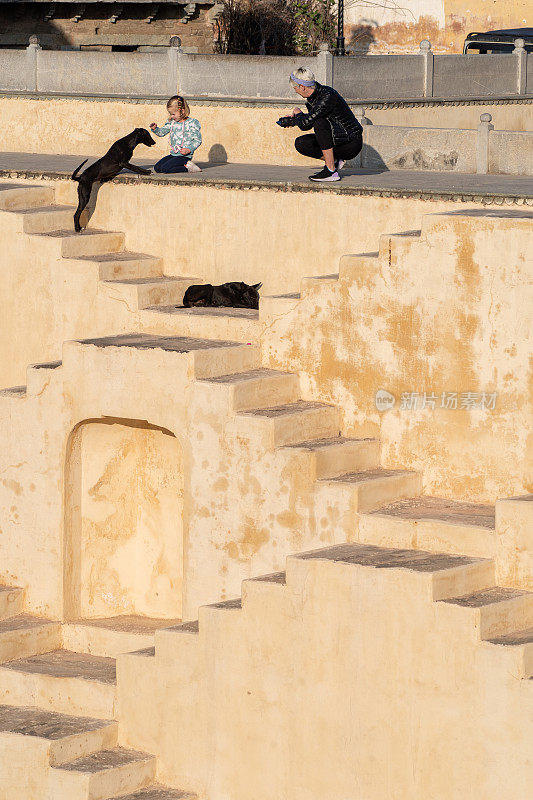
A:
[252,102]
[485,198]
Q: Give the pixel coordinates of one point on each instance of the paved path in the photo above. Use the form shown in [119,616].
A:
[437,184]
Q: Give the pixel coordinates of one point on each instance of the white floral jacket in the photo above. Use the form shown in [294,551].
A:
[182,134]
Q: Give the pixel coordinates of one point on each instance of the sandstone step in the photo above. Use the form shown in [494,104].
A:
[114,635]
[208,357]
[14,197]
[61,681]
[126,265]
[157,791]
[87,242]
[338,455]
[59,737]
[237,324]
[212,615]
[358,266]
[279,304]
[39,375]
[444,575]
[521,643]
[151,292]
[103,775]
[264,589]
[175,642]
[294,422]
[494,611]
[24,635]
[14,392]
[259,388]
[389,240]
[11,601]
[489,220]
[318,281]
[433,523]
[370,489]
[48,218]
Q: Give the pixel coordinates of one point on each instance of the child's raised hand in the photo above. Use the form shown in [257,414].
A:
[153,126]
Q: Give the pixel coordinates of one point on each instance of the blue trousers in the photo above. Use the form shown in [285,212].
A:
[172,164]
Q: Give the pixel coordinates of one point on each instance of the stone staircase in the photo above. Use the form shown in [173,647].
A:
[347,470]
[58,712]
[136,279]
[350,618]
[498,616]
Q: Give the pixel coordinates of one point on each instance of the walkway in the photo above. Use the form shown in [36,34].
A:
[437,185]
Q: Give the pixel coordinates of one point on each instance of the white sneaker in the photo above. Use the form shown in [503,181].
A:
[192,167]
[339,164]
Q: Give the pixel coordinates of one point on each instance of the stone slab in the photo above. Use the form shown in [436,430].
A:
[445,185]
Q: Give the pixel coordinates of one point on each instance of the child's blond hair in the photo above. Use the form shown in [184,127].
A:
[178,100]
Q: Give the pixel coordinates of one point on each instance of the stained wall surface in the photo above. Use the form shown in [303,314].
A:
[398,27]
[347,682]
[233,133]
[418,325]
[129,531]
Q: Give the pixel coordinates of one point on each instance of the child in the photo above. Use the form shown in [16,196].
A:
[185,137]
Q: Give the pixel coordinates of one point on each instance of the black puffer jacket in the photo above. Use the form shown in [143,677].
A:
[328,103]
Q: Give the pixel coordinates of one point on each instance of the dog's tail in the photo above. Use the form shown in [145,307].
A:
[74,177]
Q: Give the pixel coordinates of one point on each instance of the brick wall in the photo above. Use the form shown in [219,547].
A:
[95,28]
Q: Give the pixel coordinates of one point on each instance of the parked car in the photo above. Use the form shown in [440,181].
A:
[497,41]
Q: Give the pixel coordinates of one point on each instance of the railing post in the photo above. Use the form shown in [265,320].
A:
[359,113]
[32,53]
[521,65]
[324,65]
[482,144]
[427,54]
[174,78]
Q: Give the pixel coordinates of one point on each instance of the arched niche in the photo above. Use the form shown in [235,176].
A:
[123,546]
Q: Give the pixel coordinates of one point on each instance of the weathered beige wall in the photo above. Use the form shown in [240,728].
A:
[245,505]
[226,234]
[129,536]
[450,311]
[247,135]
[414,321]
[348,682]
[399,27]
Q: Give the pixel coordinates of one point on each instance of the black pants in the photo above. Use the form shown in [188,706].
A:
[312,144]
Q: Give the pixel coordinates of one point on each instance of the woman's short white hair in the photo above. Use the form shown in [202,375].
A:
[303,74]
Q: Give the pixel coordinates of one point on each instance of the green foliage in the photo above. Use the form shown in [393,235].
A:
[315,22]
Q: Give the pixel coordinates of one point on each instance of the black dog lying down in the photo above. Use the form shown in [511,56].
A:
[234,295]
[106,168]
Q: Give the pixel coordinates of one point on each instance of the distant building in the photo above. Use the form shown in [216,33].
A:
[95,25]
[397,26]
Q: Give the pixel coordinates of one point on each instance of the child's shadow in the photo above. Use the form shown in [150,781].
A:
[217,155]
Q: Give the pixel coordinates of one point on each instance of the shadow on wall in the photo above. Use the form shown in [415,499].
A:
[369,159]
[360,38]
[217,154]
